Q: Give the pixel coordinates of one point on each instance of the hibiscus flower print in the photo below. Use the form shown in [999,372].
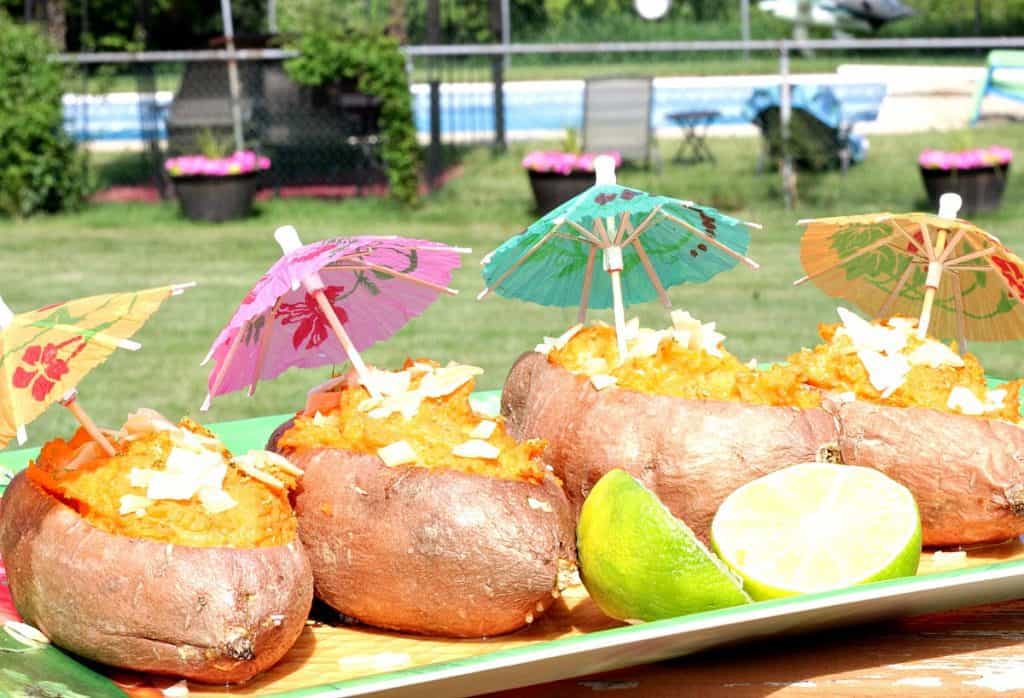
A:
[1012,273]
[312,325]
[42,368]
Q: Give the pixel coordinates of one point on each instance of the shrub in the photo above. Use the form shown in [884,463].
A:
[375,61]
[41,168]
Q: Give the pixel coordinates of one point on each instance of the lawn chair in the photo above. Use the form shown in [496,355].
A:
[617,116]
[819,138]
[1004,77]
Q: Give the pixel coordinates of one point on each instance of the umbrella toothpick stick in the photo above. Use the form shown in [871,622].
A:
[588,274]
[288,238]
[958,301]
[613,265]
[949,206]
[70,401]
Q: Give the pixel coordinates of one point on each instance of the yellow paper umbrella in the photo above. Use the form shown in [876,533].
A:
[960,281]
[45,353]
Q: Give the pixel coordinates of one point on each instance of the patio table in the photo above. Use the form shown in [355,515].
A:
[694,147]
[974,651]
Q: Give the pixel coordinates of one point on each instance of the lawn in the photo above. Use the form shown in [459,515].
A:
[126,246]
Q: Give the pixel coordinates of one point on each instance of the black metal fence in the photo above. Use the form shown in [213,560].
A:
[330,136]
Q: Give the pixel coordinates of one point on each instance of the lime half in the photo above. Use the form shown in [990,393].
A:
[818,526]
[641,563]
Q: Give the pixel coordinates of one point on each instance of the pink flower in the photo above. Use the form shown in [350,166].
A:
[239,162]
[975,158]
[564,163]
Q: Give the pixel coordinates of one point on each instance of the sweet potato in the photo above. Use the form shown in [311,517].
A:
[691,453]
[214,614]
[966,473]
[430,550]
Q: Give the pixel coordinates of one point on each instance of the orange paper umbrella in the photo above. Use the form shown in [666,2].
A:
[45,353]
[959,280]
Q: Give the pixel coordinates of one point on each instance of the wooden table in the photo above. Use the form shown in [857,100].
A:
[977,651]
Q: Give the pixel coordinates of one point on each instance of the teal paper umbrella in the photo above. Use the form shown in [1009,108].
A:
[647,243]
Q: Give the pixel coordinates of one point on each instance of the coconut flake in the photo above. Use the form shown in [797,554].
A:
[484,429]
[682,321]
[683,337]
[262,459]
[397,453]
[600,381]
[994,400]
[949,558]
[564,338]
[475,448]
[445,381]
[866,336]
[134,504]
[387,382]
[25,634]
[176,690]
[321,420]
[964,401]
[711,340]
[902,323]
[539,505]
[140,477]
[886,372]
[544,349]
[216,500]
[934,354]
[646,344]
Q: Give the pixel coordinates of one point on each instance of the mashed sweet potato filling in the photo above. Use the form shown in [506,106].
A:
[434,428]
[681,370]
[111,492]
[673,362]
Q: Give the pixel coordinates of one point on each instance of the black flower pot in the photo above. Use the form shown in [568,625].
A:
[222,198]
[550,189]
[981,189]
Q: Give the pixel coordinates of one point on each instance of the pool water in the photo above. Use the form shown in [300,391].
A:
[467,109]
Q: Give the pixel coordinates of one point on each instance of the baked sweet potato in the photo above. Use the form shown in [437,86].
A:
[216,615]
[691,453]
[435,552]
[445,543]
[111,559]
[966,472]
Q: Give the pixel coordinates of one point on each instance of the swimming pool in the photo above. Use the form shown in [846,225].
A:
[467,109]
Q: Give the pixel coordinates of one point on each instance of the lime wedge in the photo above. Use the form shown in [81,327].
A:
[817,526]
[641,563]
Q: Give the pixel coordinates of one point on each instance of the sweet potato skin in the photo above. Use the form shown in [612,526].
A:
[691,453]
[430,551]
[214,615]
[966,473]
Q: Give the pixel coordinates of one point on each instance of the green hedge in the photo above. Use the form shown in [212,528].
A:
[41,168]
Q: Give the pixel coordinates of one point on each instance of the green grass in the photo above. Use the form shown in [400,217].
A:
[121,247]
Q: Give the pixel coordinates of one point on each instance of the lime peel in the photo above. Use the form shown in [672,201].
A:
[640,563]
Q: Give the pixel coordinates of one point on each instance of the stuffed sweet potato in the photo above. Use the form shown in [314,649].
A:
[693,423]
[420,515]
[112,560]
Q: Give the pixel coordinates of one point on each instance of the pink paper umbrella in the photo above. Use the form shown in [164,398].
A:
[324,302]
